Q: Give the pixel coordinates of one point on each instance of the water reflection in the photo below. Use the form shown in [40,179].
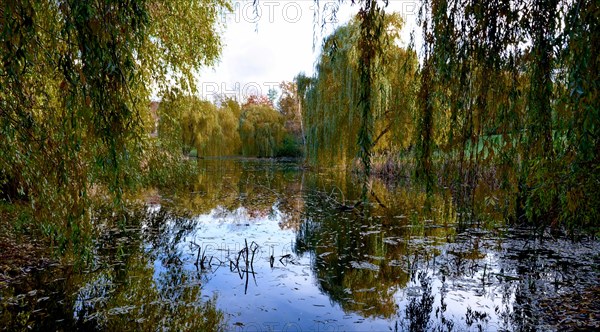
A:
[255,245]
[122,292]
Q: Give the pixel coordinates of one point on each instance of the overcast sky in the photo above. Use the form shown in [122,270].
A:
[273,42]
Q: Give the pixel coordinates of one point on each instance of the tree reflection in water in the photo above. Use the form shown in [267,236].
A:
[418,311]
[401,263]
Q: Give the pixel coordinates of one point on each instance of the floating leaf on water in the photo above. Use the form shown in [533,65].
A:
[389,240]
[88,318]
[364,290]
[369,233]
[413,291]
[121,310]
[394,262]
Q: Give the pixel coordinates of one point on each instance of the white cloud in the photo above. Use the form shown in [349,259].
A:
[263,50]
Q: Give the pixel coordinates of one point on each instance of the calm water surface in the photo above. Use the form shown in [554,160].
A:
[263,246]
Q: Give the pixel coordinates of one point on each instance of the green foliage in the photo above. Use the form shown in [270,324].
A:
[74,96]
[290,147]
[254,130]
[515,89]
[506,97]
[209,130]
[334,102]
[261,130]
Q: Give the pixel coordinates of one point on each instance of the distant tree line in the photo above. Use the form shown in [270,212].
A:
[254,129]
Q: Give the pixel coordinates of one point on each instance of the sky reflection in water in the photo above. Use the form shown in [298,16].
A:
[316,267]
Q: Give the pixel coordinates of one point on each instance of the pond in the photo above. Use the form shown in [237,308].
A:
[265,246]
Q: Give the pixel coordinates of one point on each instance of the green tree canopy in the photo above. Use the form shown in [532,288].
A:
[332,98]
[261,130]
[75,85]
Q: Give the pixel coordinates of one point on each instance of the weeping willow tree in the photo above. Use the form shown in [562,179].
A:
[190,123]
[261,130]
[74,78]
[255,129]
[330,112]
[227,142]
[511,88]
[350,112]
[507,99]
